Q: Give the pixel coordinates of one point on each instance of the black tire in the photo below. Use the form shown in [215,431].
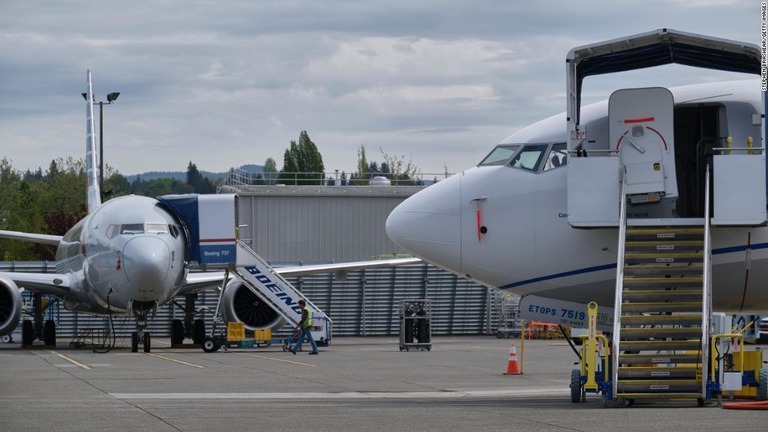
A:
[49,333]
[27,332]
[147,342]
[499,335]
[506,335]
[762,385]
[198,331]
[135,342]
[210,345]
[578,341]
[575,385]
[177,332]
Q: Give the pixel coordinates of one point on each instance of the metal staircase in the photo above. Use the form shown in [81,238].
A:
[662,310]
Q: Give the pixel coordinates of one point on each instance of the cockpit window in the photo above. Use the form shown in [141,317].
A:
[530,157]
[500,155]
[132,229]
[112,230]
[557,157]
[157,228]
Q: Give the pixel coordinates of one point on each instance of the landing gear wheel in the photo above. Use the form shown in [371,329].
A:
[147,342]
[210,345]
[762,385]
[49,333]
[27,332]
[198,331]
[576,392]
[177,332]
[135,342]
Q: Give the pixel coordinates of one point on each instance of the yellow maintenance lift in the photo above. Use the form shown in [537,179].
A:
[734,372]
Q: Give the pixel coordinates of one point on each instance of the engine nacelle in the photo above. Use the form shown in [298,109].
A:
[240,304]
[10,306]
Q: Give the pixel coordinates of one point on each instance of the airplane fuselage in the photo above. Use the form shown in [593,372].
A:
[507,226]
[127,253]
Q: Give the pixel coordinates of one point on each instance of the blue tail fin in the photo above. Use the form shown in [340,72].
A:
[93,194]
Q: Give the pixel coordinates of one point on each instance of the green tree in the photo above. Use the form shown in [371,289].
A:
[402,172]
[270,172]
[303,163]
[362,163]
[199,184]
[9,183]
[115,184]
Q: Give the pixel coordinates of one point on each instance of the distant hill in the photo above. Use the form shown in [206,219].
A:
[182,175]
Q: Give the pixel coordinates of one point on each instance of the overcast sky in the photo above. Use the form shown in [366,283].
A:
[225,83]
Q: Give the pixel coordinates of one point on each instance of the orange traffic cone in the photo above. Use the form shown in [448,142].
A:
[512,367]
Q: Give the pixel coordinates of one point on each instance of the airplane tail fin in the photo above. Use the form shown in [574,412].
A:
[93,194]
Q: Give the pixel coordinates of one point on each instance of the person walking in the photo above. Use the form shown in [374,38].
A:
[305,325]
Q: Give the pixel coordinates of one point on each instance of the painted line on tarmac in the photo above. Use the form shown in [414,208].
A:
[74,362]
[533,392]
[276,359]
[175,361]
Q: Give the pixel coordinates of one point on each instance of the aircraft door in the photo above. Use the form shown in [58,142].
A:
[641,131]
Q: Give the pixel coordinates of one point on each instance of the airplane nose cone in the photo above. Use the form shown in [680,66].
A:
[428,224]
[147,261]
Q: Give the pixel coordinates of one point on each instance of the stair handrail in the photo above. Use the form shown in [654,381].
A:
[706,297]
[615,349]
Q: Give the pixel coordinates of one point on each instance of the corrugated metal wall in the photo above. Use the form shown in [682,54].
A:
[366,303]
[319,224]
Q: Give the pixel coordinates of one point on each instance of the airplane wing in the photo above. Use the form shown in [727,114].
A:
[30,237]
[46,283]
[209,280]
[335,267]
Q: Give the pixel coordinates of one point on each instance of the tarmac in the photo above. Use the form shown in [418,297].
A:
[358,383]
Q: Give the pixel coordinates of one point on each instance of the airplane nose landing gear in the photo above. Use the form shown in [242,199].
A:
[141,337]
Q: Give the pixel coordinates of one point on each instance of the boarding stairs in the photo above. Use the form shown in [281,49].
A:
[662,309]
[272,288]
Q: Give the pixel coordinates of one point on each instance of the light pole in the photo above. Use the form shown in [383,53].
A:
[110,98]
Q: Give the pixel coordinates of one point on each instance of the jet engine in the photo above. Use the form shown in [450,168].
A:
[240,304]
[10,306]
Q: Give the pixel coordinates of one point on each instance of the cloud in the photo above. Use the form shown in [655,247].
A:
[227,84]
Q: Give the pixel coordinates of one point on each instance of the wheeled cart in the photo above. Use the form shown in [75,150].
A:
[415,324]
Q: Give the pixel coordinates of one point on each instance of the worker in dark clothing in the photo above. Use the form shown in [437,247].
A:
[305,325]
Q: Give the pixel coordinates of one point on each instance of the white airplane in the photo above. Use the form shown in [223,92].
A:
[534,218]
[129,256]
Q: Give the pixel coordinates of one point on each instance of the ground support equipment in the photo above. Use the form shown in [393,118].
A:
[595,362]
[415,324]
